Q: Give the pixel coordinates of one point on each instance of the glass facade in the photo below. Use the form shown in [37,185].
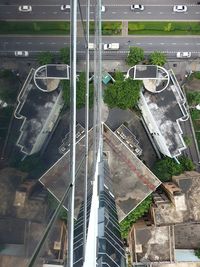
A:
[110,251]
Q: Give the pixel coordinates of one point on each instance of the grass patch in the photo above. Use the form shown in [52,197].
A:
[197,74]
[195,116]
[39,27]
[108,27]
[193,98]
[54,27]
[163,28]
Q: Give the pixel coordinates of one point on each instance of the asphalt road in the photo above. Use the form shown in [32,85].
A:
[50,11]
[104,2]
[36,44]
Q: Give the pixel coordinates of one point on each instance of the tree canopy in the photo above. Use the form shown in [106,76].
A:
[157,58]
[197,253]
[80,93]
[122,93]
[9,85]
[135,55]
[45,58]
[165,168]
[65,55]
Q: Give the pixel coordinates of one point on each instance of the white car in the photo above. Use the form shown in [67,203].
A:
[112,46]
[137,7]
[180,8]
[183,54]
[25,8]
[103,8]
[65,7]
[21,53]
[91,46]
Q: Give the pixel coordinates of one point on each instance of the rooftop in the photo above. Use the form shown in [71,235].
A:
[167,109]
[187,236]
[8,233]
[132,180]
[155,78]
[189,182]
[34,107]
[152,244]
[47,77]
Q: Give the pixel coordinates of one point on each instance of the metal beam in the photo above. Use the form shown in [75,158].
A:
[73,61]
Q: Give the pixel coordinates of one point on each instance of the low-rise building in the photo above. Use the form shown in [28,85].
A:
[162,104]
[38,111]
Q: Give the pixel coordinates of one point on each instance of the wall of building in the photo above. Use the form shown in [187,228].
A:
[49,125]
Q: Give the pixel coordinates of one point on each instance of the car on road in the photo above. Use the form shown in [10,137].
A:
[25,8]
[65,7]
[183,54]
[112,46]
[103,8]
[91,46]
[21,53]
[137,7]
[180,8]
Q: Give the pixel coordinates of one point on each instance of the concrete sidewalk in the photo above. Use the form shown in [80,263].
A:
[107,65]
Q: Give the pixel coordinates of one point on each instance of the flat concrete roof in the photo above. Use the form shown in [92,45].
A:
[187,236]
[34,107]
[152,244]
[12,231]
[189,182]
[166,112]
[131,181]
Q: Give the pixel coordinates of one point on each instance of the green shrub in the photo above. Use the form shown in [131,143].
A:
[127,223]
[197,74]
[165,168]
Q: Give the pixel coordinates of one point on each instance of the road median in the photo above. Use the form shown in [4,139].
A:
[53,27]
[163,28]
[109,28]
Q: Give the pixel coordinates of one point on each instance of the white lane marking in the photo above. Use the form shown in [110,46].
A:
[53,43]
[197,12]
[125,12]
[174,43]
[150,43]
[161,12]
[149,12]
[41,43]
[186,44]
[29,43]
[197,43]
[162,43]
[114,12]
[138,43]
[55,12]
[65,43]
